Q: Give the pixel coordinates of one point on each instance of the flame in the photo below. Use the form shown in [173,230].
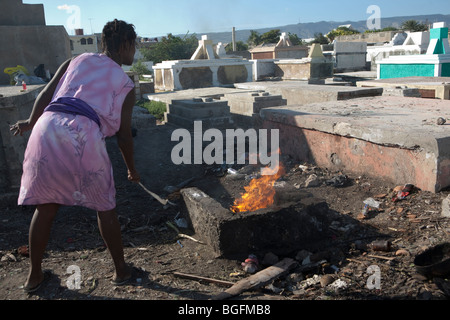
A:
[260,194]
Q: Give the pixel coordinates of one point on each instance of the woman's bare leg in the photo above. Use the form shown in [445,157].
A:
[109,226]
[40,229]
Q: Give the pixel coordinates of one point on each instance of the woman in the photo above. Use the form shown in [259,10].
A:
[66,161]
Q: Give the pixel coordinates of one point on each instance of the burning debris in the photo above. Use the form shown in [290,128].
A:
[260,194]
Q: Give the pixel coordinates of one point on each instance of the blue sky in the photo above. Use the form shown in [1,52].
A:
[154,18]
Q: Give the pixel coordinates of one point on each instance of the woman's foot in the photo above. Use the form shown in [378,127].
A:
[35,282]
[124,276]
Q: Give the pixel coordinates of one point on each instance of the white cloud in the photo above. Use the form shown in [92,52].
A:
[64,7]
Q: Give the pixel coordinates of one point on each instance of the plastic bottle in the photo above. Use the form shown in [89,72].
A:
[24,85]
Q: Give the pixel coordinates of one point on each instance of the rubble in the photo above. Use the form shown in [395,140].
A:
[343,267]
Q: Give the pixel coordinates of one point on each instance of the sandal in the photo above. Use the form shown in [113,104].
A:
[47,277]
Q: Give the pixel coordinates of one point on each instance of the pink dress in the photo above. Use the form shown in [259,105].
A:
[66,161]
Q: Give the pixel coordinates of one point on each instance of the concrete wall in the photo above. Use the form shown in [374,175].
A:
[350,56]
[15,13]
[388,71]
[14,106]
[31,46]
[263,68]
[377,37]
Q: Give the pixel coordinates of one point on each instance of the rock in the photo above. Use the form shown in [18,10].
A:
[446,207]
[326,280]
[441,121]
[402,252]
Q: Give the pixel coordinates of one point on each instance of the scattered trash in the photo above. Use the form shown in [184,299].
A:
[279,184]
[232,171]
[181,223]
[179,242]
[371,202]
[381,246]
[303,168]
[251,264]
[312,181]
[339,284]
[24,251]
[338,181]
[8,257]
[402,193]
[364,213]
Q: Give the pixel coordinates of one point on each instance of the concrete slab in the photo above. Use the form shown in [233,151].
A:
[300,92]
[429,87]
[214,92]
[394,138]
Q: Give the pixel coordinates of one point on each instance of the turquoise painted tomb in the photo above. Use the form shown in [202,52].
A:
[435,63]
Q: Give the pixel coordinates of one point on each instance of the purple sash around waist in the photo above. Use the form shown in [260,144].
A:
[73,106]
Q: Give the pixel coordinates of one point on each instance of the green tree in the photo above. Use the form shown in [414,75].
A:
[141,69]
[341,31]
[382,30]
[272,36]
[172,48]
[254,39]
[320,39]
[295,40]
[414,26]
[240,46]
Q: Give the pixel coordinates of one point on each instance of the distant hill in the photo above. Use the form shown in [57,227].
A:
[307,30]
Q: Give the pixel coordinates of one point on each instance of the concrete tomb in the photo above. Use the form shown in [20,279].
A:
[435,63]
[205,69]
[212,113]
[392,138]
[314,69]
[245,107]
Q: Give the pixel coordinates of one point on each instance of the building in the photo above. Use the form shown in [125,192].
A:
[26,40]
[81,43]
[281,50]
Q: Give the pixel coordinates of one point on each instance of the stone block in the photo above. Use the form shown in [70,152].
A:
[213,113]
[280,230]
[446,207]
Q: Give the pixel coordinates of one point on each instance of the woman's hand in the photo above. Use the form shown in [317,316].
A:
[134,176]
[21,127]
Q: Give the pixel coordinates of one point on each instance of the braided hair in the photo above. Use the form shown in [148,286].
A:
[117,34]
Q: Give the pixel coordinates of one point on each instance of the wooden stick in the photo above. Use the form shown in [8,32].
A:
[258,280]
[199,278]
[380,257]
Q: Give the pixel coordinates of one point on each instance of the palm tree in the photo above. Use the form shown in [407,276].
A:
[414,26]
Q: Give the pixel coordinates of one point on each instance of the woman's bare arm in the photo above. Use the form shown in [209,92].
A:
[125,137]
[42,101]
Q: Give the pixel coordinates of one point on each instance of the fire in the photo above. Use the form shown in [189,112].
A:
[260,194]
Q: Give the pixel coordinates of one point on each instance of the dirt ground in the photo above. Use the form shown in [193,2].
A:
[156,250]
